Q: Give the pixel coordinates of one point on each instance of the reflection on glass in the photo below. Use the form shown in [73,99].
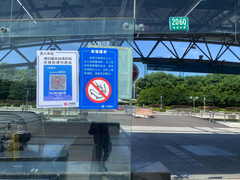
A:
[102,144]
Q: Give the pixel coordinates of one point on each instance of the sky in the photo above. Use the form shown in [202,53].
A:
[145,47]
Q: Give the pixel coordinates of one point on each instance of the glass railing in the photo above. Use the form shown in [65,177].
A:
[70,27]
[35,9]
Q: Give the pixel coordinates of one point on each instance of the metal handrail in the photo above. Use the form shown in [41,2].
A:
[211,113]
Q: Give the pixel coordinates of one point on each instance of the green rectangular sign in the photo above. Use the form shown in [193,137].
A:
[178,23]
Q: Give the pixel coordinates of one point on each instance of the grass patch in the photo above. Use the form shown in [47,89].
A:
[159,110]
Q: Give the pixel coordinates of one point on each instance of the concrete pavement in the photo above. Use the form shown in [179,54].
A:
[189,147]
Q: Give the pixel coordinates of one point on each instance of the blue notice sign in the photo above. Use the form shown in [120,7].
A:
[98,78]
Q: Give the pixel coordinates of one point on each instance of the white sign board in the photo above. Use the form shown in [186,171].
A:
[57,79]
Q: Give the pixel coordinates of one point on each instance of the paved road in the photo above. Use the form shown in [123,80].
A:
[189,147]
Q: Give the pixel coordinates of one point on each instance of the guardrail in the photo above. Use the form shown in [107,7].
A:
[129,109]
[203,114]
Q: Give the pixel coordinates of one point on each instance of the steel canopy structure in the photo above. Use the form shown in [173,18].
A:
[32,23]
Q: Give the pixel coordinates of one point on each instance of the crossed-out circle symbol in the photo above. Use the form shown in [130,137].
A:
[98,90]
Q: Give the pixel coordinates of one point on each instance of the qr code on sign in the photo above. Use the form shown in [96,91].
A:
[57,82]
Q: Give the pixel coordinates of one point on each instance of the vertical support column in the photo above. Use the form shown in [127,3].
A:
[201,113]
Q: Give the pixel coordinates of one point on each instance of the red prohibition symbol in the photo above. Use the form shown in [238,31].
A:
[98,90]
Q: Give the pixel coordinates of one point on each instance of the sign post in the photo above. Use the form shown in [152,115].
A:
[178,23]
[98,78]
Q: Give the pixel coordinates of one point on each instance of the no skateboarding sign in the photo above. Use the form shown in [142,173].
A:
[98,78]
[98,90]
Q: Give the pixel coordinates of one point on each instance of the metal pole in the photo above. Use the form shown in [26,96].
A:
[210,116]
[130,103]
[48,113]
[65,114]
[204,104]
[201,113]
[224,116]
[239,117]
[161,102]
[194,106]
[134,90]
[27,101]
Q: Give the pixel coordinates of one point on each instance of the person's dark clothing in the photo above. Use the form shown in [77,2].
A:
[101,138]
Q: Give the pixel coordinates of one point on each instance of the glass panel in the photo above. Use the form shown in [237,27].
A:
[62,141]
[237,13]
[5,13]
[38,9]
[65,143]
[81,27]
[215,16]
[5,9]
